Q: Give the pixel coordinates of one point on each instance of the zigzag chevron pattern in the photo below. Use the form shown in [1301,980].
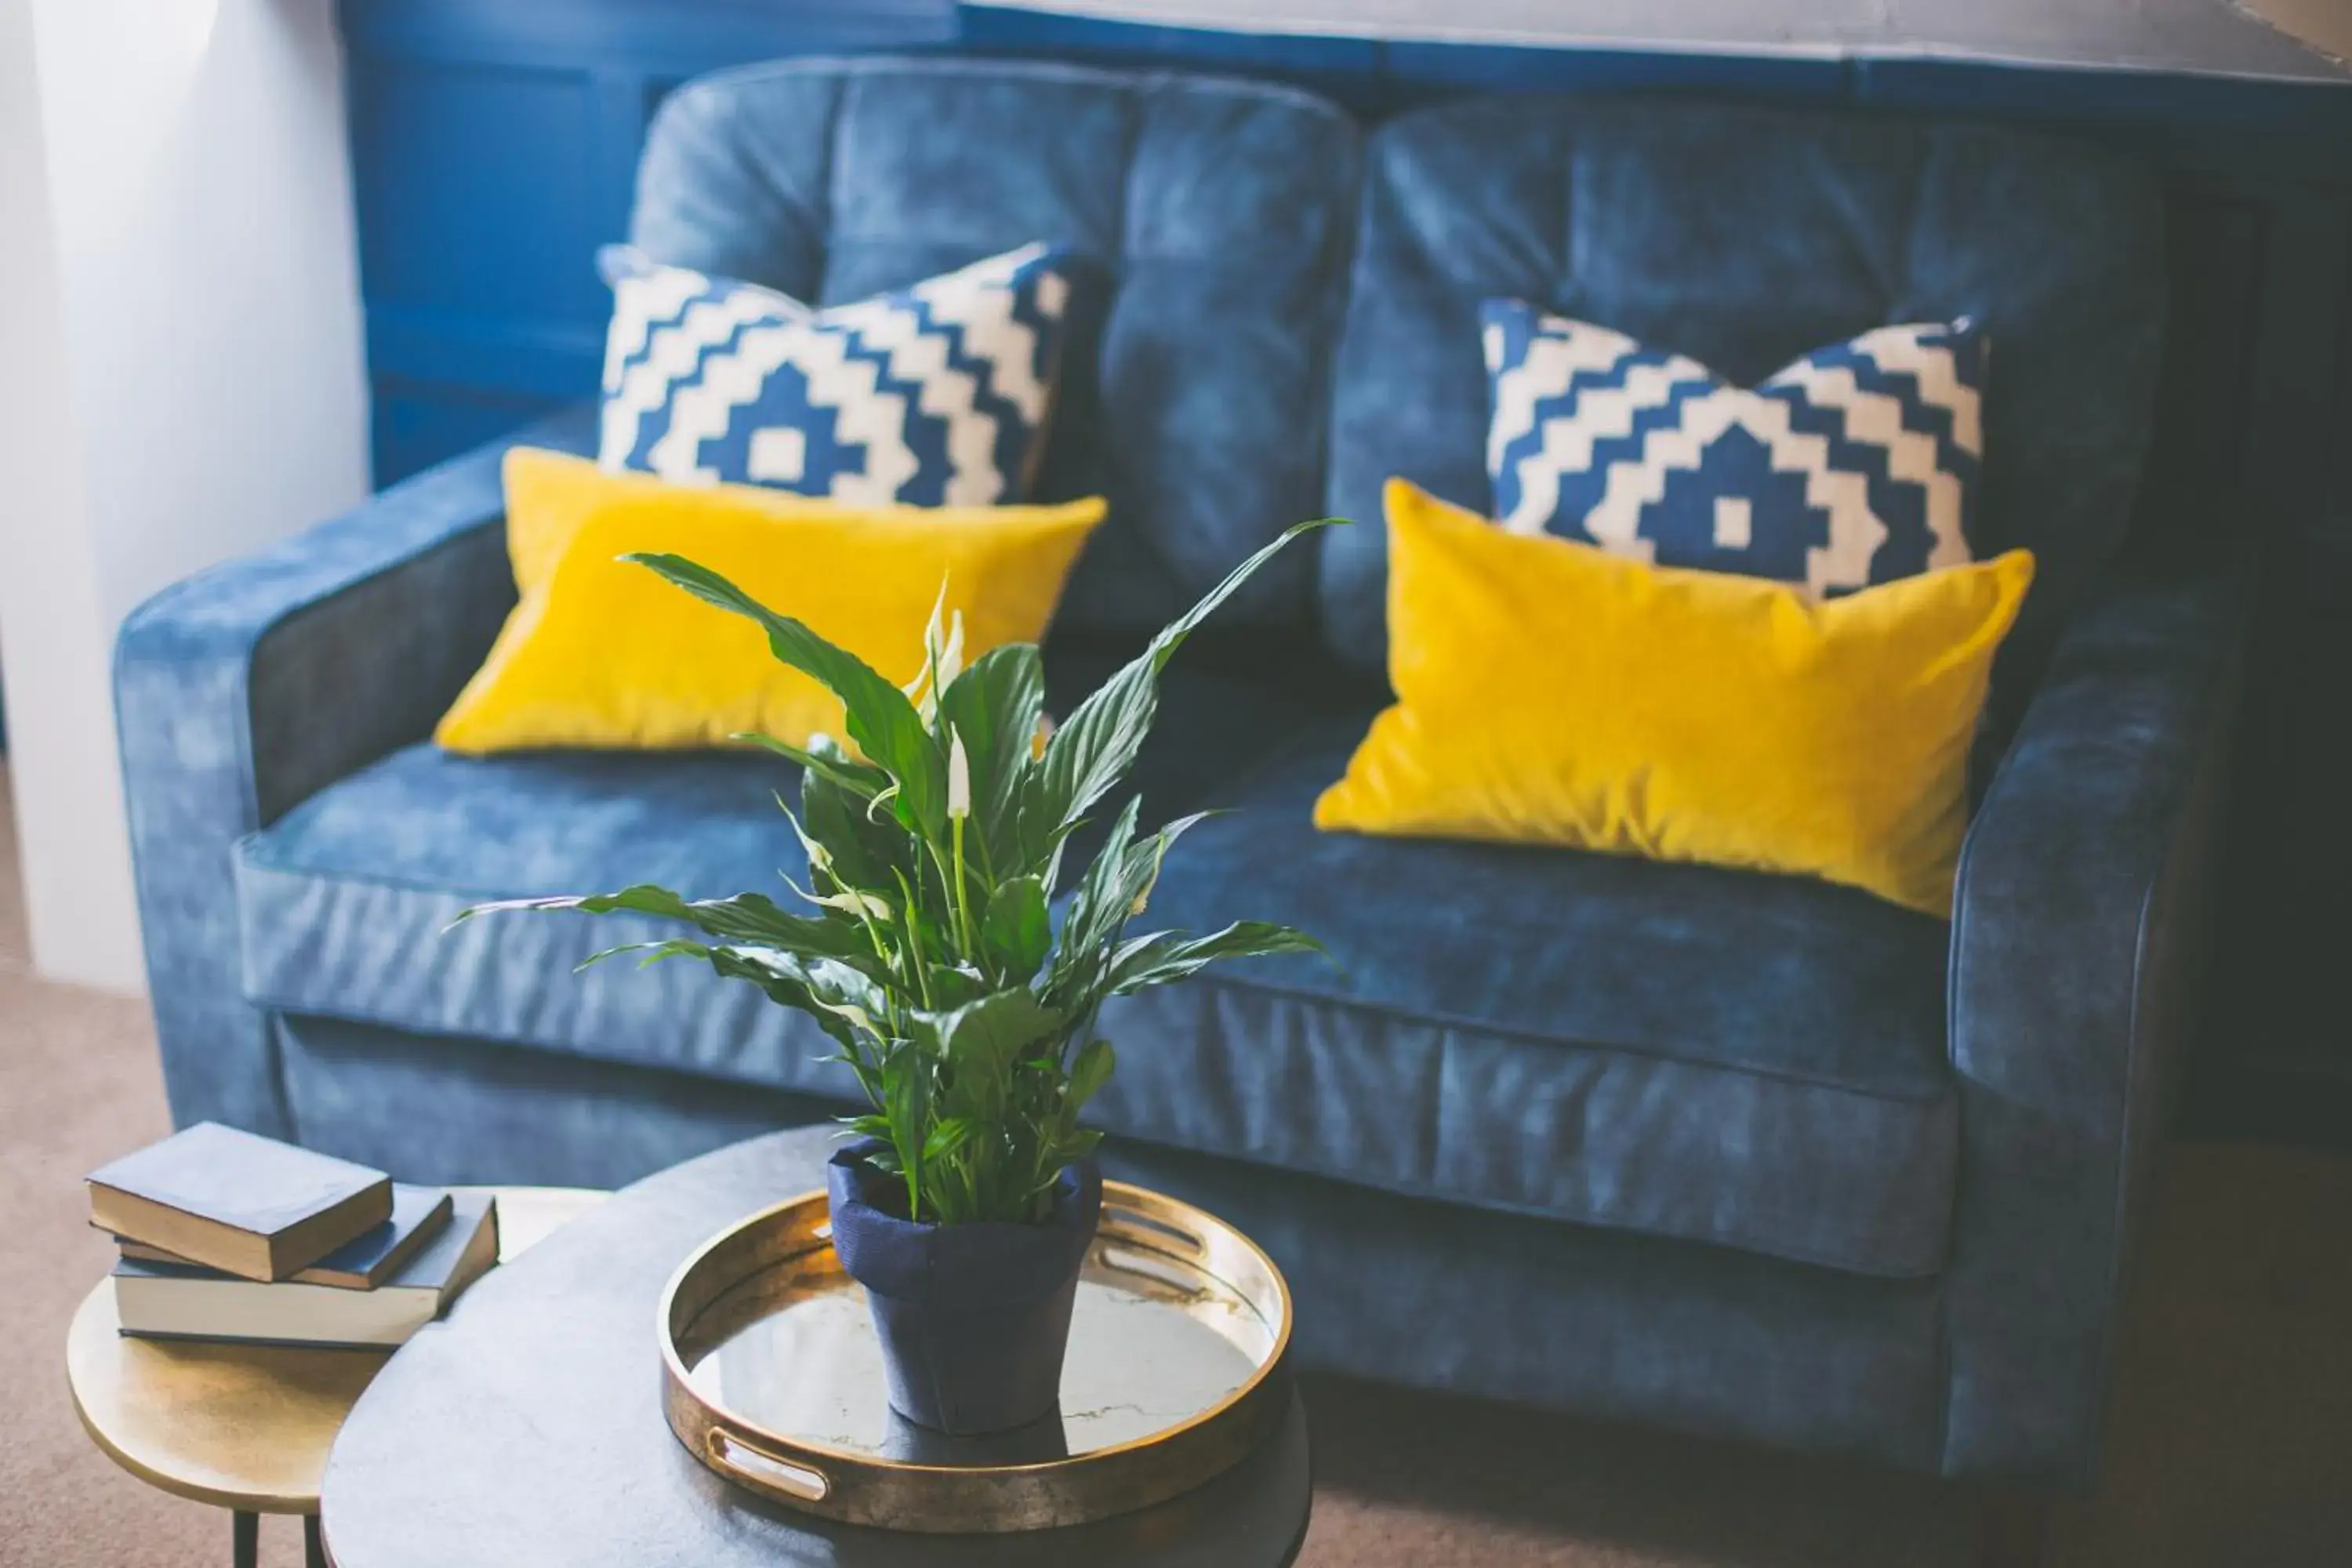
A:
[1855,465]
[935,396]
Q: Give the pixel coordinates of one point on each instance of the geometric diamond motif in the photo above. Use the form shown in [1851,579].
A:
[932,395]
[1856,464]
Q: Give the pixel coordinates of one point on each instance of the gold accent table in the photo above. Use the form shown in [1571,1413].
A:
[247,1427]
[526,1430]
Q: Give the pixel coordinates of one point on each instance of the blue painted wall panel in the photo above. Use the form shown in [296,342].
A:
[417,424]
[677,38]
[493,150]
[474,195]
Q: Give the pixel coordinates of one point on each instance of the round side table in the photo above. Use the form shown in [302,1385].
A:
[526,1430]
[246,1428]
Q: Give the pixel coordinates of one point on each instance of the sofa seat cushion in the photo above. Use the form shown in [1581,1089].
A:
[1747,1060]
[344,903]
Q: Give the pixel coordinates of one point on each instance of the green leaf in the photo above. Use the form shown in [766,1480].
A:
[782,975]
[745,918]
[907,1103]
[1166,956]
[985,1037]
[1117,883]
[948,1133]
[953,984]
[1016,928]
[1089,754]
[1089,1072]
[866,854]
[881,720]
[863,780]
[1141,873]
[745,915]
[994,705]
[1087,923]
[826,988]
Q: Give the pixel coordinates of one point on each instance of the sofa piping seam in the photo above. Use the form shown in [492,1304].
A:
[246,845]
[275,1009]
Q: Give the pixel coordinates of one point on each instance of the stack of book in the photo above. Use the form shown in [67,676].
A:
[228,1235]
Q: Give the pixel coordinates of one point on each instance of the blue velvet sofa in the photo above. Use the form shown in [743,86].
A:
[1735,1154]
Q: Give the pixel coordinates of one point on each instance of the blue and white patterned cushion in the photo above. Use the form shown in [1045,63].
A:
[935,395]
[1855,465]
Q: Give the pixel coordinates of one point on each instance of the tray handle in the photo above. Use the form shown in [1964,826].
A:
[762,1470]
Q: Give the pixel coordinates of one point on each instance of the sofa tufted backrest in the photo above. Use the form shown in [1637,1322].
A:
[1218,216]
[1743,237]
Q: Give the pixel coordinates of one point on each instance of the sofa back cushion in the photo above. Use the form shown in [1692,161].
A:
[1213,220]
[1743,237]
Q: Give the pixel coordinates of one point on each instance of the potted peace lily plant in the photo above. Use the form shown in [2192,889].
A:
[929,953]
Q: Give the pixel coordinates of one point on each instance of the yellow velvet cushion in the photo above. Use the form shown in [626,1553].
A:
[599,652]
[1549,693]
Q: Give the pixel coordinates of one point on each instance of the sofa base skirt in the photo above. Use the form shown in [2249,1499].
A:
[1665,1333]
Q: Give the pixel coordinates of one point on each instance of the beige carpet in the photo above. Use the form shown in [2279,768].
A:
[2233,1418]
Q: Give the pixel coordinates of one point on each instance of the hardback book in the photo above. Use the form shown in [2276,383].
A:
[171,1301]
[233,1201]
[361,1264]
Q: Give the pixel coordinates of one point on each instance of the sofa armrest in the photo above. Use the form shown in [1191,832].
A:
[2079,942]
[246,689]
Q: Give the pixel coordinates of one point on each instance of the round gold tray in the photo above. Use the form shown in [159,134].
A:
[773,1376]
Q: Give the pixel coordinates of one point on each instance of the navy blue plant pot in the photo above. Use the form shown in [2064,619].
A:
[973,1318]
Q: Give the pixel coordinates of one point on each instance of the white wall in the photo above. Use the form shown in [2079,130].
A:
[2218,36]
[183,377]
